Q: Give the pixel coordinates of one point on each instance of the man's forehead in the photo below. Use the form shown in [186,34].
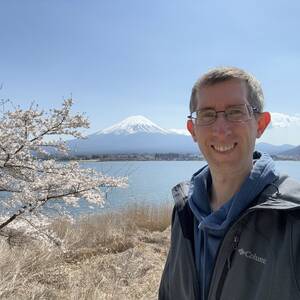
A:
[226,91]
[232,84]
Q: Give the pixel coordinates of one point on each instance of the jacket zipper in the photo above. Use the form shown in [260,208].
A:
[236,239]
[227,264]
[237,224]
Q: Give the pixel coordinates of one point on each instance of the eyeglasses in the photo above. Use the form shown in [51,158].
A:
[234,113]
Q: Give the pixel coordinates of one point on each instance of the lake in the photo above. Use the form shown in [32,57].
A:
[151,181]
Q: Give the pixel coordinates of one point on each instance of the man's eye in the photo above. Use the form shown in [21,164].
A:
[206,114]
[235,112]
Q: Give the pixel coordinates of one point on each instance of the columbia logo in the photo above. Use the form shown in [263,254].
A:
[248,254]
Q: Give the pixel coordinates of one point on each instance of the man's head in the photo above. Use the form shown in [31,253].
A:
[221,74]
[226,117]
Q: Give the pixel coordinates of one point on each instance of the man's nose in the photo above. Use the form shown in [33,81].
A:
[221,126]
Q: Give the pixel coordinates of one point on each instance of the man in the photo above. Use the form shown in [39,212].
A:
[236,235]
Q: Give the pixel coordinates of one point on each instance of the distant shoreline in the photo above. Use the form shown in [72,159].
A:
[154,157]
[137,157]
[196,159]
[286,159]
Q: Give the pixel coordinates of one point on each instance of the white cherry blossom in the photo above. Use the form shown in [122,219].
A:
[29,178]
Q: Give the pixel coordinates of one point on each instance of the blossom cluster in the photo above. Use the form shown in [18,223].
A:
[29,178]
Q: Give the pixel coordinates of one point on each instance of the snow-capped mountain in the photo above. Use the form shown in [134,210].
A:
[132,125]
[135,134]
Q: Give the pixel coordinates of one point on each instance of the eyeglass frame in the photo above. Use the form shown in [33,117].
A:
[251,109]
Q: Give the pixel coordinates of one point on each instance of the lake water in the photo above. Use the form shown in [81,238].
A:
[151,181]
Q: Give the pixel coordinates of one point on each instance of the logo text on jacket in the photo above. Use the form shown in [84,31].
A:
[248,254]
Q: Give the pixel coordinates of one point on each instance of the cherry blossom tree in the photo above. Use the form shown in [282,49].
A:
[30,180]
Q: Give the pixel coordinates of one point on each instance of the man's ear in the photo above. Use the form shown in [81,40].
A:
[190,128]
[262,122]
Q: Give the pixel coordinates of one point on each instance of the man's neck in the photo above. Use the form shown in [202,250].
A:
[225,185]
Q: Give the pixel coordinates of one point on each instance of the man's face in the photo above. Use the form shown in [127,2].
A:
[227,144]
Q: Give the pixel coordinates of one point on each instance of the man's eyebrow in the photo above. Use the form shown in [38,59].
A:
[205,108]
[230,105]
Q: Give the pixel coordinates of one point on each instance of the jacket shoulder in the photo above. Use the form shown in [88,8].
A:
[283,193]
[289,188]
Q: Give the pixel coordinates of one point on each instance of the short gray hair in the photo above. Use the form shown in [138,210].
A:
[221,74]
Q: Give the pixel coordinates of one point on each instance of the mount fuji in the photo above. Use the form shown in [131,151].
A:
[133,125]
[134,135]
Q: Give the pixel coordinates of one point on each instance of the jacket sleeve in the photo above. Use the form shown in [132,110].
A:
[179,279]
[295,247]
[163,293]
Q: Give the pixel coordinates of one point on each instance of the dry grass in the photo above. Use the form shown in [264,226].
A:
[108,256]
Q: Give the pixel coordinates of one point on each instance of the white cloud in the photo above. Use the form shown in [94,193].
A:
[279,120]
[180,131]
[284,129]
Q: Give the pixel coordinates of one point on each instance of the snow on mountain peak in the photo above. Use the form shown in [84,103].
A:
[134,124]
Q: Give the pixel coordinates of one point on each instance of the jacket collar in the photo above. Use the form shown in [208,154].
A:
[283,194]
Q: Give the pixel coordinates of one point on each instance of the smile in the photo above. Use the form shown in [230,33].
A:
[223,147]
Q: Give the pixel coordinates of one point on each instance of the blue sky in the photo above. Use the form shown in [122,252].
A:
[120,58]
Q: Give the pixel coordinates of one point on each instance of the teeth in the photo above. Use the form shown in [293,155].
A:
[223,148]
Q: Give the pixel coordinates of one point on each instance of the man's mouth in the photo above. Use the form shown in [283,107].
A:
[223,147]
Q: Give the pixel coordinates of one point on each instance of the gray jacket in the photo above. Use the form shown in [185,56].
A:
[259,258]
